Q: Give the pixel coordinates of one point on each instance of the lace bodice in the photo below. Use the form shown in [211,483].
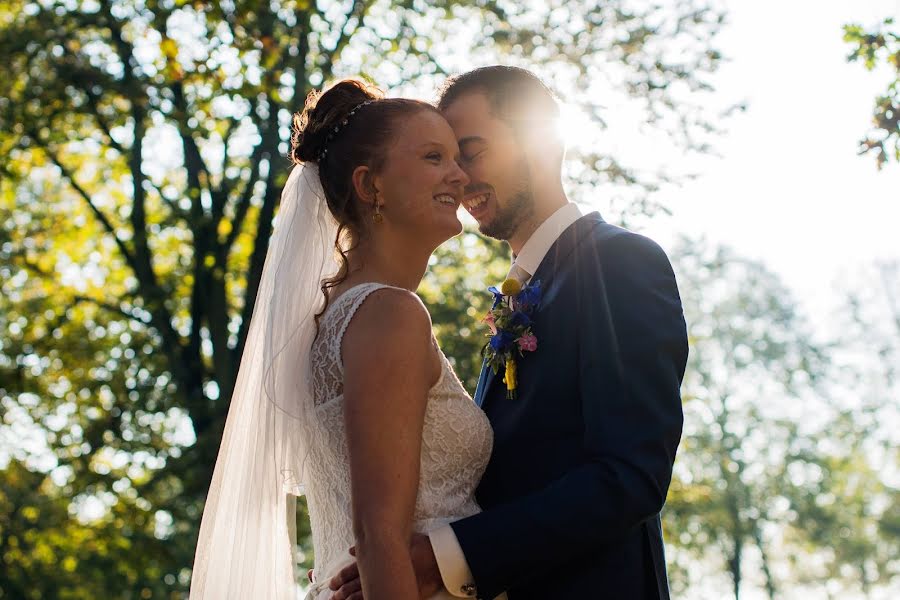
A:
[456,446]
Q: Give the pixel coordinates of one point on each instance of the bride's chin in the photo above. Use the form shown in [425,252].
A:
[456,229]
[449,234]
[443,228]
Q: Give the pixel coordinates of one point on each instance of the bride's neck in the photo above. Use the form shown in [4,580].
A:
[391,263]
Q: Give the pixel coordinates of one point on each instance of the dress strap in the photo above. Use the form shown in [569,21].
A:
[345,307]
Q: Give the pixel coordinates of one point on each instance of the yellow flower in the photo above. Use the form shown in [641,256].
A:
[511,287]
[509,378]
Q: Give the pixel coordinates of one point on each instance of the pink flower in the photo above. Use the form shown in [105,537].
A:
[489,319]
[527,343]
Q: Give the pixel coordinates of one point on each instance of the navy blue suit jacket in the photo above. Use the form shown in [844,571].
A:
[583,457]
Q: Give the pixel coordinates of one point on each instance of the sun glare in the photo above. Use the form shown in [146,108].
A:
[576,127]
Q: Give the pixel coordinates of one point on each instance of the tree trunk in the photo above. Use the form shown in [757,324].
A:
[734,566]
[760,543]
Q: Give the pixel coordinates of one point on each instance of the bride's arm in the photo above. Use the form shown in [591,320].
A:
[389,366]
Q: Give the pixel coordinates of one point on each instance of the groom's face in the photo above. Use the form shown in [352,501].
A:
[498,195]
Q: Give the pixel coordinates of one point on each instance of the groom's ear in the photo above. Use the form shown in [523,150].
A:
[539,137]
[364,184]
[543,151]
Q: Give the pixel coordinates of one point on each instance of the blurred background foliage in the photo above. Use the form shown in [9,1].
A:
[142,153]
[872,47]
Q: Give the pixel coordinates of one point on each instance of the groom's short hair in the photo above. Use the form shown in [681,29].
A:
[514,95]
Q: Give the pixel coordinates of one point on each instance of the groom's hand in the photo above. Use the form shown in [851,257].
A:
[347,585]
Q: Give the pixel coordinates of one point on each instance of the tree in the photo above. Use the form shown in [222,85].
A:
[872,47]
[751,357]
[781,481]
[851,510]
[142,154]
[844,510]
[455,290]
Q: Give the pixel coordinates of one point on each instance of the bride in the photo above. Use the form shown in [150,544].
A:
[343,393]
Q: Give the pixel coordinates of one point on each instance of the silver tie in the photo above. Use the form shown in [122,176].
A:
[518,273]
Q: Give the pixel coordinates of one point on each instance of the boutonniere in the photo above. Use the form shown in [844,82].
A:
[510,322]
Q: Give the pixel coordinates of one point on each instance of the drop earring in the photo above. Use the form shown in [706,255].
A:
[378,218]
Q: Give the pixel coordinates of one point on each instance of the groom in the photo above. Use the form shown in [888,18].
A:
[583,455]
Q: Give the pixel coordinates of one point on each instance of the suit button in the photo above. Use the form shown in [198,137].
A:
[468,589]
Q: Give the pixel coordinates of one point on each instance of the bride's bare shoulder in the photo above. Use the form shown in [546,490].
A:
[389,316]
[389,339]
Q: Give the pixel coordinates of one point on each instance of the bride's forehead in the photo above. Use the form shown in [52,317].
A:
[424,127]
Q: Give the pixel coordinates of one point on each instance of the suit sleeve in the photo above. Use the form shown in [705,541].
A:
[631,355]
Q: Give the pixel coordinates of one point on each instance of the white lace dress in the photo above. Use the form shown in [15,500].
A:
[456,445]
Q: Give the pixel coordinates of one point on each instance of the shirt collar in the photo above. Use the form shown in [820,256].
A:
[537,246]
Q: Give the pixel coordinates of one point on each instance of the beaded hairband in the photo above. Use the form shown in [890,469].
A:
[337,128]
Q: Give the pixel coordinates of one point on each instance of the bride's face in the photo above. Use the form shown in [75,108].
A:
[421,182]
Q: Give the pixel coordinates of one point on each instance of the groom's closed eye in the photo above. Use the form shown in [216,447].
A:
[471,152]
[470,147]
[471,156]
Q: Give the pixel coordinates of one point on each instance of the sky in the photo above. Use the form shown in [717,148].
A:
[789,188]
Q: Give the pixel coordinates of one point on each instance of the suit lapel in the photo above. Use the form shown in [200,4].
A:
[563,247]
[484,380]
[557,253]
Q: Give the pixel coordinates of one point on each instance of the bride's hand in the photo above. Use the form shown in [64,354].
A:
[347,586]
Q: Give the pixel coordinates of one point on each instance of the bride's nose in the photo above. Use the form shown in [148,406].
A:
[457,176]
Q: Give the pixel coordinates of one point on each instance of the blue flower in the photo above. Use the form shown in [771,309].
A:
[530,295]
[501,340]
[498,296]
[519,318]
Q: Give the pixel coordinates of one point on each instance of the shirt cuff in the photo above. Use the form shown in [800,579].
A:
[452,563]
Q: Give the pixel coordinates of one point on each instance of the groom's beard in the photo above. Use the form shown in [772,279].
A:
[520,208]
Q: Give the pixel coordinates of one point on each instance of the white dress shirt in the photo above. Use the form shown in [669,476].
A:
[526,263]
[451,561]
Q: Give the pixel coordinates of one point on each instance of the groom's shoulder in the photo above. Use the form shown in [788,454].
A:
[620,246]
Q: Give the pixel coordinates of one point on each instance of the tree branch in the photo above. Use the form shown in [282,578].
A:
[118,310]
[301,80]
[220,195]
[94,103]
[174,208]
[78,298]
[124,50]
[357,11]
[139,259]
[198,172]
[243,203]
[107,225]
[261,245]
